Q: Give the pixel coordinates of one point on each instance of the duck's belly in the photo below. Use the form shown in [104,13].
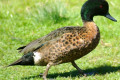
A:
[78,53]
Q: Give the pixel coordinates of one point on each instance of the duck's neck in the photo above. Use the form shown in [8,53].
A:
[91,28]
[87,18]
[90,25]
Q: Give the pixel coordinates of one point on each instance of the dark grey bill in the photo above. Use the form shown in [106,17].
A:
[110,17]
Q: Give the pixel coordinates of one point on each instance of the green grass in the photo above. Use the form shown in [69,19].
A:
[22,21]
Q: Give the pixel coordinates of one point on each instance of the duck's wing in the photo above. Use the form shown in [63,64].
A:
[34,45]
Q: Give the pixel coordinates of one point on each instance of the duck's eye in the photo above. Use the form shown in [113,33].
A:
[101,6]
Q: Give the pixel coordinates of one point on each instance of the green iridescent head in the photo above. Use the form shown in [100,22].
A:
[95,7]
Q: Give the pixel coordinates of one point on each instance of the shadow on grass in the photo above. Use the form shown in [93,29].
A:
[102,70]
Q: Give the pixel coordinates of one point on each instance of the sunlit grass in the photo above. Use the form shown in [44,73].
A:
[27,20]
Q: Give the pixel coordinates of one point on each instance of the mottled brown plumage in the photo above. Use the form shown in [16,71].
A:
[73,43]
[66,44]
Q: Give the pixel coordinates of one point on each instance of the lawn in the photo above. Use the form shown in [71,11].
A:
[22,21]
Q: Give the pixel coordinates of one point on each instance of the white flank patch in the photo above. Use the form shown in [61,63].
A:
[37,57]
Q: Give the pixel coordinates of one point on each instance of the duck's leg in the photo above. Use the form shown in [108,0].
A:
[75,65]
[46,71]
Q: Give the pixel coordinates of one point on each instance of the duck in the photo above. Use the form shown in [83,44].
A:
[66,44]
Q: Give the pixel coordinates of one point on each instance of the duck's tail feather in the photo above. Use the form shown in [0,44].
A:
[26,59]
